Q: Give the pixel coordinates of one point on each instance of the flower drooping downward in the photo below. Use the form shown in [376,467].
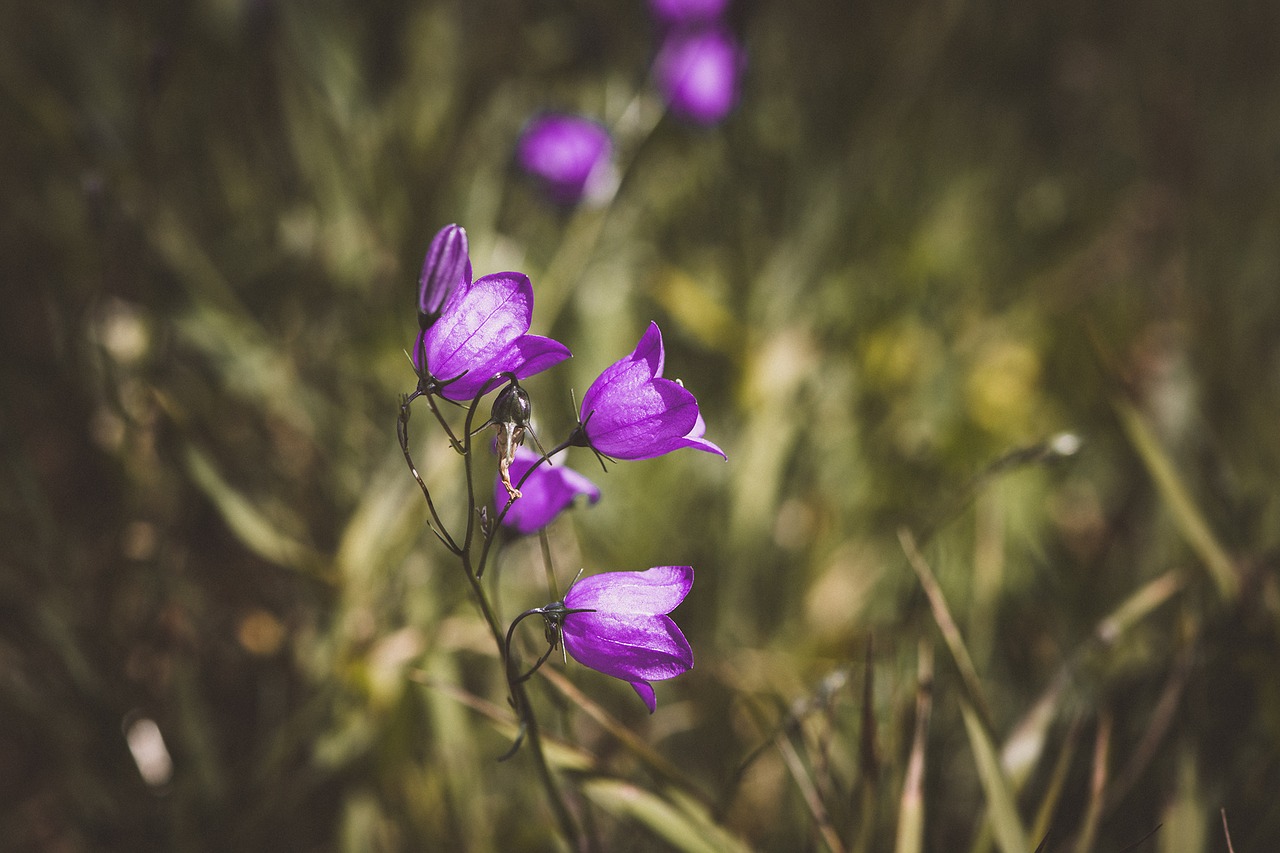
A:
[481,334]
[697,71]
[546,493]
[627,633]
[569,155]
[632,412]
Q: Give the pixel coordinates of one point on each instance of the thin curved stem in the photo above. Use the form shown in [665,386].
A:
[524,713]
[435,410]
[402,432]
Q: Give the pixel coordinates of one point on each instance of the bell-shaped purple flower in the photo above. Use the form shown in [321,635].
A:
[628,634]
[697,71]
[446,265]
[546,493]
[631,412]
[674,13]
[481,333]
[569,155]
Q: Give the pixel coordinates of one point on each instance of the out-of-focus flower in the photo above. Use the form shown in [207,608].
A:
[697,71]
[569,155]
[631,412]
[446,265]
[546,493]
[627,633]
[673,13]
[481,333]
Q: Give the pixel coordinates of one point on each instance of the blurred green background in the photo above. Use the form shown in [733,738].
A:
[931,238]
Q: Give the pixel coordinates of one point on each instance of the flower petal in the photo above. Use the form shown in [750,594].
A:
[651,592]
[700,444]
[530,354]
[650,349]
[697,71]
[628,646]
[639,417]
[569,155]
[645,691]
[478,323]
[695,439]
[547,492]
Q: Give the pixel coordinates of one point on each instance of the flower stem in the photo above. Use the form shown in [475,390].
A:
[402,432]
[519,695]
[524,713]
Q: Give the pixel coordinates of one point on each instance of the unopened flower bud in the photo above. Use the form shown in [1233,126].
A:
[446,264]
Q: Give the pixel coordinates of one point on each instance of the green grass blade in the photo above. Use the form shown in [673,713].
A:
[1173,491]
[680,821]
[1005,823]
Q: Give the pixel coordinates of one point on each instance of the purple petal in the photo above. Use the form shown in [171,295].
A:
[568,154]
[697,72]
[650,350]
[639,418]
[481,333]
[628,646]
[695,439]
[547,492]
[444,267]
[700,444]
[651,592]
[478,323]
[645,691]
[531,354]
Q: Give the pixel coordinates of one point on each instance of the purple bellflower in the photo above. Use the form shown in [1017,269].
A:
[617,623]
[546,493]
[569,155]
[632,412]
[482,333]
[446,265]
[697,71]
[674,13]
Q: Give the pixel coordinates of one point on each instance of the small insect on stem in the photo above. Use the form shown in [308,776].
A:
[511,413]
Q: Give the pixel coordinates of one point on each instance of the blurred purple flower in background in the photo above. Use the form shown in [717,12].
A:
[674,13]
[631,412]
[627,634]
[697,71]
[569,155]
[446,265]
[546,493]
[482,333]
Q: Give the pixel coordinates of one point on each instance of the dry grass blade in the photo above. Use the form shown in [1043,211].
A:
[1226,831]
[652,759]
[946,624]
[1097,785]
[1057,780]
[800,774]
[911,809]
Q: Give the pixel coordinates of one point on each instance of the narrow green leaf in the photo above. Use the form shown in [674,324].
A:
[1005,823]
[247,522]
[680,821]
[1173,491]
